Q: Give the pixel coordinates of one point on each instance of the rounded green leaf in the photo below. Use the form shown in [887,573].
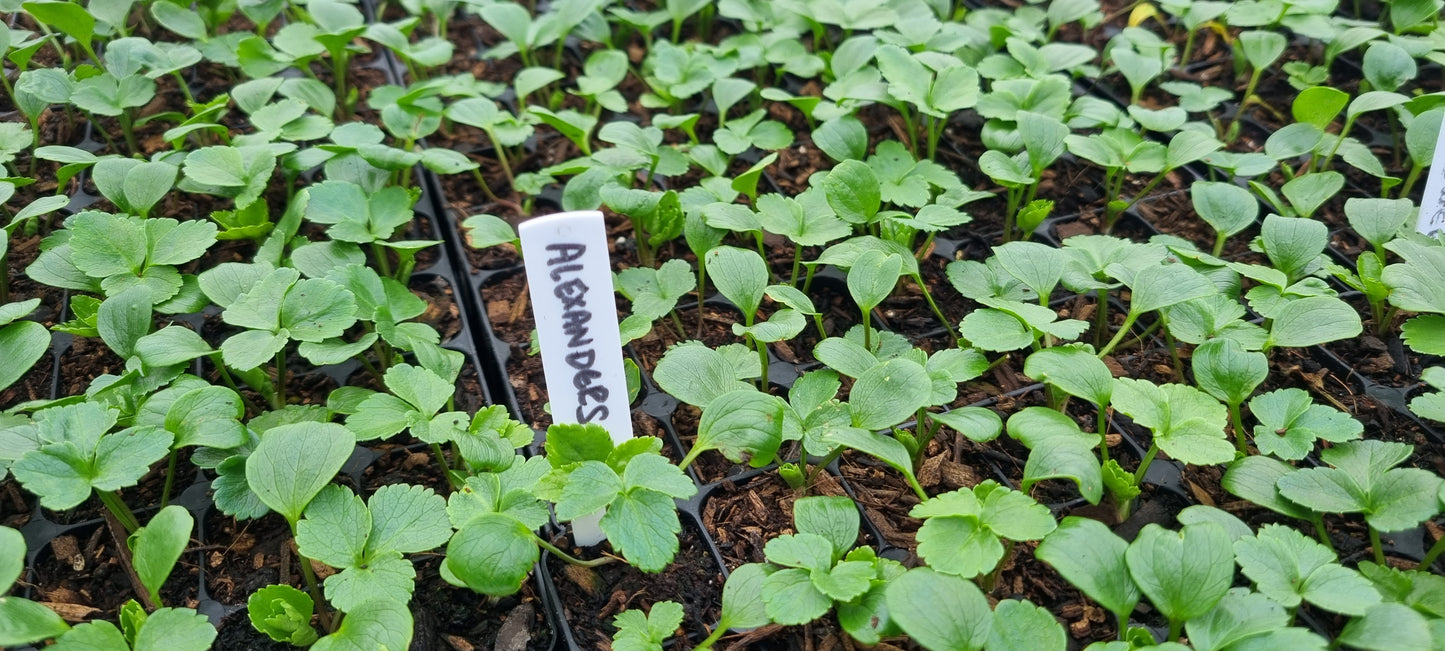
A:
[156,547]
[292,463]
[1091,557]
[1183,573]
[889,393]
[492,554]
[939,611]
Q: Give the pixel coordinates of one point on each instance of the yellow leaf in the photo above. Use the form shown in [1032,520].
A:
[1142,12]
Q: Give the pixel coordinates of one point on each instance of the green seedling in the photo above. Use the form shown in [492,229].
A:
[989,519]
[942,612]
[1155,287]
[114,253]
[1413,287]
[744,425]
[1289,424]
[21,621]
[646,632]
[882,398]
[1103,574]
[1255,478]
[366,541]
[182,629]
[485,231]
[675,73]
[526,35]
[949,86]
[1227,208]
[1261,48]
[73,453]
[804,220]
[654,294]
[1186,423]
[275,306]
[870,281]
[415,403]
[751,130]
[1291,569]
[156,547]
[1364,479]
[22,342]
[742,603]
[1225,370]
[283,613]
[241,173]
[656,217]
[742,277]
[696,374]
[289,468]
[1421,135]
[601,73]
[1058,449]
[1042,138]
[633,484]
[812,572]
[1184,573]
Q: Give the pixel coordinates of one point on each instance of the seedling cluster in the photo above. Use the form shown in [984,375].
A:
[1026,306]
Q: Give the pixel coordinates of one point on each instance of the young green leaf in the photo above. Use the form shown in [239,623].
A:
[1243,620]
[1022,626]
[962,529]
[697,374]
[1289,423]
[888,394]
[745,425]
[1075,369]
[294,462]
[1391,626]
[940,611]
[741,276]
[1184,573]
[156,547]
[78,455]
[1187,423]
[1364,479]
[872,277]
[1290,568]
[283,613]
[1091,557]
[639,632]
[375,624]
[21,621]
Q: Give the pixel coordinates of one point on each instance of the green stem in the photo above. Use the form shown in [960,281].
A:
[128,132]
[1102,427]
[1219,238]
[315,590]
[868,330]
[934,306]
[568,557]
[382,260]
[1176,629]
[1237,421]
[797,263]
[1410,179]
[119,509]
[762,349]
[1434,553]
[1144,464]
[436,449]
[170,479]
[1119,336]
[280,378]
[712,638]
[1376,545]
[1320,531]
[822,465]
[1101,318]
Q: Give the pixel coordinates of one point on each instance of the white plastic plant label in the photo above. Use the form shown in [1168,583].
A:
[1432,203]
[569,277]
